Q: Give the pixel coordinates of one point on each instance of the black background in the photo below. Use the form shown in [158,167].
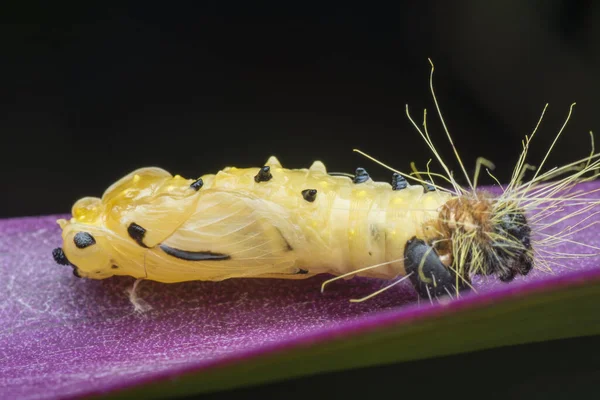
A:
[89,94]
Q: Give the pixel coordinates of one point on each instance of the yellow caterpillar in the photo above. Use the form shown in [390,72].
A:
[294,223]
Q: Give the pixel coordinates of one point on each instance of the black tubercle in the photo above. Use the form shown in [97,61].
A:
[76,272]
[429,276]
[83,240]
[309,195]
[360,176]
[59,256]
[194,255]
[301,271]
[398,182]
[428,187]
[264,175]
[137,233]
[197,184]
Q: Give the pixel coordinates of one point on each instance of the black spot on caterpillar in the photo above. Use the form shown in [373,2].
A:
[309,195]
[137,233]
[197,184]
[242,224]
[59,257]
[427,272]
[398,182]
[263,175]
[83,240]
[193,255]
[360,176]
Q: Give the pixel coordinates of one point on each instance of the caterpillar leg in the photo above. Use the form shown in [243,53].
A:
[429,276]
[140,306]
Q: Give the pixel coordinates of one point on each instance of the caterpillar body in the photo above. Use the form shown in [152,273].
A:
[266,221]
[274,222]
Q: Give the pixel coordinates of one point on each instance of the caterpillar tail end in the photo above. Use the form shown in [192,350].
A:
[430,277]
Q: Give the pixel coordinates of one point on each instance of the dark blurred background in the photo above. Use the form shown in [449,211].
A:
[90,93]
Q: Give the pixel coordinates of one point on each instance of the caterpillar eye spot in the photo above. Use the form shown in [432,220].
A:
[264,175]
[114,266]
[59,256]
[398,182]
[309,195]
[302,271]
[137,233]
[197,184]
[360,176]
[83,240]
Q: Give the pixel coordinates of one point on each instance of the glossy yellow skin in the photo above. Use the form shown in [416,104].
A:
[267,228]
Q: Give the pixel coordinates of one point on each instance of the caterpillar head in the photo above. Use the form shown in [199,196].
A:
[104,236]
[483,236]
[86,245]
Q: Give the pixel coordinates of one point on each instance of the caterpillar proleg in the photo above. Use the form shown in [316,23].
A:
[273,222]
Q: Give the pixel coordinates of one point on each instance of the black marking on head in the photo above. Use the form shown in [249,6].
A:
[83,240]
[429,275]
[59,256]
[264,174]
[398,182]
[137,233]
[360,175]
[197,184]
[114,266]
[309,195]
[301,271]
[428,187]
[194,255]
